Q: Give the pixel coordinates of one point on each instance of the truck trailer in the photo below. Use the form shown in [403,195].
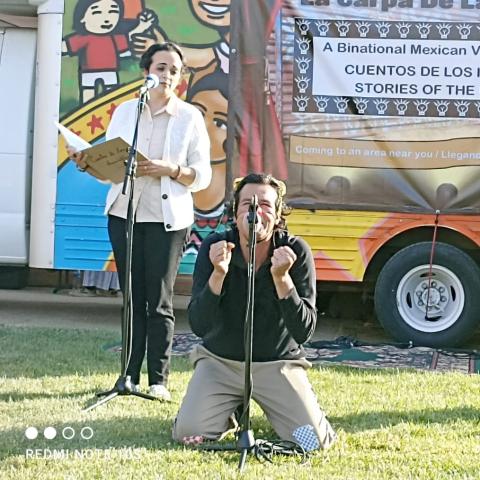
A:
[369,110]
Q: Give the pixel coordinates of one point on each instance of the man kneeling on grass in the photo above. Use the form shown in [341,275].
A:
[284,318]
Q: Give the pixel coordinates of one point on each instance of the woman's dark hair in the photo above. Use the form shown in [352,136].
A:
[217,80]
[146,59]
[80,9]
[262,179]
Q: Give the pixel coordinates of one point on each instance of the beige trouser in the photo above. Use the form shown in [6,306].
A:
[281,388]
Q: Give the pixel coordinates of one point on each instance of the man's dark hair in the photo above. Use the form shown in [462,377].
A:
[217,80]
[146,59]
[82,6]
[262,179]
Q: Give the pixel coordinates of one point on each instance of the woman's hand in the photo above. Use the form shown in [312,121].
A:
[77,157]
[156,168]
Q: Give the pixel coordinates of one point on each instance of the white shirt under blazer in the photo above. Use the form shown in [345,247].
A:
[186,143]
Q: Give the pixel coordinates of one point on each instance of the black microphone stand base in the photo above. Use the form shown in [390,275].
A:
[245,444]
[123,386]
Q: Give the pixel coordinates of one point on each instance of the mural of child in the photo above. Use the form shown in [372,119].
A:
[212,13]
[99,44]
[210,96]
[208,91]
[215,14]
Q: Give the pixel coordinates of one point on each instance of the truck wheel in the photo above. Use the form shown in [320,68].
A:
[401,294]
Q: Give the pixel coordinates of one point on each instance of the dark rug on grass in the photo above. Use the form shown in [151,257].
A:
[347,351]
[182,344]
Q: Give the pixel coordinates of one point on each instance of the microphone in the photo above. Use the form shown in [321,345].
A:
[252,210]
[151,81]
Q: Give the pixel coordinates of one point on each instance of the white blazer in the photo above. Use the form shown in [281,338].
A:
[186,143]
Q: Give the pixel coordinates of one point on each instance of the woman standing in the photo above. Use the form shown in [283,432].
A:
[172,135]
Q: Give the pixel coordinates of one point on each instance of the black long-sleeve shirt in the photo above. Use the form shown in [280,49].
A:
[280,326]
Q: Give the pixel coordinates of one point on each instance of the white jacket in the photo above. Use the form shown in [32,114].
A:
[186,143]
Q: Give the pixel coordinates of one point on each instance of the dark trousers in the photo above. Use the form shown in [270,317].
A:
[155,259]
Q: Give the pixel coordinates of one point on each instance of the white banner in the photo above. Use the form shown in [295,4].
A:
[396,68]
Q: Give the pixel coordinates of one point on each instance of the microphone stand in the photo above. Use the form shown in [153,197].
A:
[246,439]
[123,385]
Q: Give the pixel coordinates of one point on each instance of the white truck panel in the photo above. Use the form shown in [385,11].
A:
[17,70]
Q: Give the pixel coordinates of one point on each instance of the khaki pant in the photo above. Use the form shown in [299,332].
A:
[281,388]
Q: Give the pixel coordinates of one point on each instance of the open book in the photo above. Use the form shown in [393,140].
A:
[106,159]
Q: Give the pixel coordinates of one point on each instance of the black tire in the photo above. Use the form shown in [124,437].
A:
[401,294]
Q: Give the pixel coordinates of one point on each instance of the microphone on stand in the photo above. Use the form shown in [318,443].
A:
[253,210]
[151,81]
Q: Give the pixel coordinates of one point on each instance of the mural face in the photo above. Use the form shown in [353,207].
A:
[101,17]
[213,12]
[213,106]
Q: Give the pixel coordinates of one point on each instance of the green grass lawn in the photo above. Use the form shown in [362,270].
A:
[392,424]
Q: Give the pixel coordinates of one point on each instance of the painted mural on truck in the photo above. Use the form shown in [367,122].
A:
[363,106]
[370,110]
[101,46]
[380,104]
